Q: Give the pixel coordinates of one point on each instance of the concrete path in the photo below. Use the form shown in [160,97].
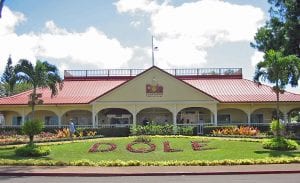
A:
[146,170]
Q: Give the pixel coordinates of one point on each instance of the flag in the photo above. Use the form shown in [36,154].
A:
[1,6]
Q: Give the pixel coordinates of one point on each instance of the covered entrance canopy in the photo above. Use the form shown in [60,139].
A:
[156,116]
[114,117]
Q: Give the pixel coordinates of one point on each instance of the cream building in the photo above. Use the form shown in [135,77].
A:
[125,97]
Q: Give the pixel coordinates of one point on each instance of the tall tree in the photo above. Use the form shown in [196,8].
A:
[9,78]
[42,75]
[1,7]
[280,70]
[282,31]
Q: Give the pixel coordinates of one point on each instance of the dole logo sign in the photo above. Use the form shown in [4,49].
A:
[154,89]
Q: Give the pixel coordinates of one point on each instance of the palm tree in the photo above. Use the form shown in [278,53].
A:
[278,69]
[42,75]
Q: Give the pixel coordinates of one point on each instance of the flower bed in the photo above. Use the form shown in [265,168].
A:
[167,147]
[241,131]
[95,147]
[130,148]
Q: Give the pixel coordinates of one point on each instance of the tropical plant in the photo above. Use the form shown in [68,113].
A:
[42,75]
[277,127]
[31,128]
[278,69]
[241,131]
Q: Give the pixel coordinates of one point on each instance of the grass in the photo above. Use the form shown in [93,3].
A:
[223,149]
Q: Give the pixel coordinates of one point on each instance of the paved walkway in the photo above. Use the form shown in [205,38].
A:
[147,170]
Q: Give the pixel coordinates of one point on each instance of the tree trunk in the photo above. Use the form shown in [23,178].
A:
[277,111]
[33,102]
[31,139]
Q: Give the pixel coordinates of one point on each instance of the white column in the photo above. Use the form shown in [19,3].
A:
[215,111]
[174,113]
[249,114]
[216,118]
[93,116]
[97,120]
[59,120]
[134,117]
[23,119]
[23,116]
[249,118]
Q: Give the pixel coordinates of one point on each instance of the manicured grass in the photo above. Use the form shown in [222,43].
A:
[223,149]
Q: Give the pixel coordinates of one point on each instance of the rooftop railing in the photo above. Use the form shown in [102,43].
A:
[134,72]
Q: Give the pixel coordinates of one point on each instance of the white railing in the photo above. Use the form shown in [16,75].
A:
[134,72]
[114,125]
[129,125]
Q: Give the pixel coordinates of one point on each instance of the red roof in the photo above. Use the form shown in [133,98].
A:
[223,90]
[73,92]
[240,90]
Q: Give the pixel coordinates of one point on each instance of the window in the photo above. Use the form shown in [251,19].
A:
[51,120]
[224,118]
[258,118]
[17,120]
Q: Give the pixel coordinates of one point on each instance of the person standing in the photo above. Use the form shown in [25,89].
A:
[72,128]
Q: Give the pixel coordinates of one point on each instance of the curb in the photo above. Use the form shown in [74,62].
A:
[143,174]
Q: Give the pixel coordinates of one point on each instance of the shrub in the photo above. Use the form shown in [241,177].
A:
[143,138]
[186,130]
[277,128]
[160,130]
[31,128]
[32,150]
[280,143]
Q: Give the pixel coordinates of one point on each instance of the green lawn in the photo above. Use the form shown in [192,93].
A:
[224,149]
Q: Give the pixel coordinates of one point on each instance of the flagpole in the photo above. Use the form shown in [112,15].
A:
[152,53]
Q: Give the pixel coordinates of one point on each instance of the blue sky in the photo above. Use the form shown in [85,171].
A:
[97,34]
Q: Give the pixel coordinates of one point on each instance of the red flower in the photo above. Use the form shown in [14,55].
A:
[167,148]
[140,150]
[95,147]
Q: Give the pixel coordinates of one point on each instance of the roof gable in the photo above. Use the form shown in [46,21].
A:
[154,84]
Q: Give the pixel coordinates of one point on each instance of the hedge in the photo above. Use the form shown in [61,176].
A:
[119,163]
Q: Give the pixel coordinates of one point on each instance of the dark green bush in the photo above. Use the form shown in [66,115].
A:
[187,130]
[161,130]
[32,150]
[113,132]
[280,143]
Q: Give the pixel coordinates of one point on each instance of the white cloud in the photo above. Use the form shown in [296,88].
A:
[214,20]
[135,23]
[74,49]
[134,6]
[9,21]
[178,52]
[257,57]
[185,32]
